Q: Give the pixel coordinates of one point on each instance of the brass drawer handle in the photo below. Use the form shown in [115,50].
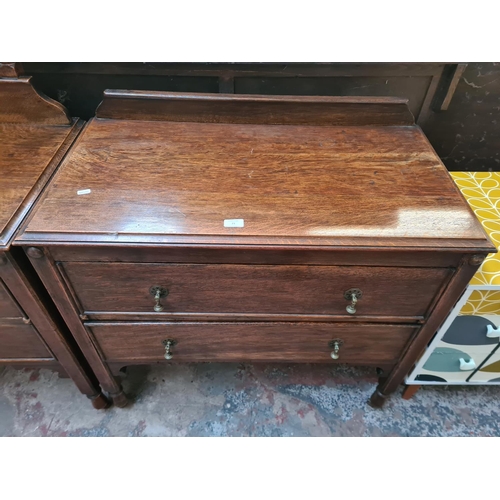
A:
[158,293]
[335,345]
[169,343]
[353,294]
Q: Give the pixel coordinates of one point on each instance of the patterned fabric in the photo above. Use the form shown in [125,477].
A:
[464,353]
[482,192]
[482,302]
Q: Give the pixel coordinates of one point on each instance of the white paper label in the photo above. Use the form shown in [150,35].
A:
[83,191]
[234,223]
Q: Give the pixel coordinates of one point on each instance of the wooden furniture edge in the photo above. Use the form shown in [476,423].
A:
[450,295]
[37,108]
[47,271]
[253,108]
[10,69]
[39,187]
[46,328]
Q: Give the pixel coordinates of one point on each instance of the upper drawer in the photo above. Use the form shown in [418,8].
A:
[254,290]
[8,306]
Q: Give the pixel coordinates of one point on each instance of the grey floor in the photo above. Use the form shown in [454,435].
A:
[243,400]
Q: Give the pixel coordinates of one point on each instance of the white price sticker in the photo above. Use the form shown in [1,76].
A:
[234,223]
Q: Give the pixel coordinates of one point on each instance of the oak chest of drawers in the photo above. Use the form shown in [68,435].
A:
[35,133]
[197,227]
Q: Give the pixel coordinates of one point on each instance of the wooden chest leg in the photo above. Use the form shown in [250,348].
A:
[119,399]
[450,296]
[100,402]
[46,269]
[24,287]
[377,399]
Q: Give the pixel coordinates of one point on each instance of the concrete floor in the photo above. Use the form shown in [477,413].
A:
[243,400]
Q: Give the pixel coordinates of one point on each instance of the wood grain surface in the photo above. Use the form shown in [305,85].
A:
[333,194]
[232,289]
[290,342]
[21,103]
[25,152]
[10,69]
[19,340]
[9,308]
[35,133]
[290,184]
[253,108]
[250,254]
[29,155]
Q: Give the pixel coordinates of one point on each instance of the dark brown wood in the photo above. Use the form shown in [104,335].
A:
[30,150]
[415,349]
[255,317]
[35,134]
[55,286]
[254,109]
[47,337]
[409,391]
[377,399]
[455,78]
[249,254]
[120,399]
[21,341]
[21,103]
[325,207]
[29,155]
[9,308]
[476,260]
[287,342]
[307,174]
[239,289]
[10,70]
[426,105]
[100,402]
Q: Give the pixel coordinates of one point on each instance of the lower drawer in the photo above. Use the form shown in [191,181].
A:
[19,340]
[293,342]
[8,306]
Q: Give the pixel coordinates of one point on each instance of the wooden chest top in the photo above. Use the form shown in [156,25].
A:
[158,168]
[34,134]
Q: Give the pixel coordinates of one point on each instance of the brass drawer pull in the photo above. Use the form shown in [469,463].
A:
[158,293]
[335,345]
[169,343]
[353,294]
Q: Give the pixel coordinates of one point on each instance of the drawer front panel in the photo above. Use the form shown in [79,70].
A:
[21,341]
[232,289]
[292,342]
[8,306]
